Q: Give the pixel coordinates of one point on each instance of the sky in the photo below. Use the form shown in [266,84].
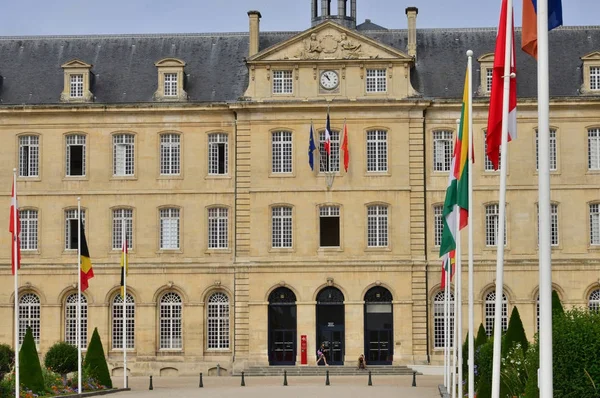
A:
[79,17]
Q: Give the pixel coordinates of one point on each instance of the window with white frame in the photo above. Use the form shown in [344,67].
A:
[72,228]
[76,86]
[377,151]
[594,224]
[117,322]
[170,84]
[439,326]
[282,152]
[489,72]
[490,310]
[170,322]
[71,320]
[169,229]
[123,154]
[442,150]
[553,224]
[553,161]
[75,155]
[282,227]
[488,165]
[170,154]
[594,303]
[217,228]
[377,226]
[594,149]
[492,217]
[376,81]
[329,226]
[217,154]
[218,321]
[122,222]
[594,77]
[29,316]
[29,156]
[329,162]
[283,82]
[438,224]
[29,229]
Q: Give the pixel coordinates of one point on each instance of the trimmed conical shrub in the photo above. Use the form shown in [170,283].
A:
[95,361]
[515,333]
[557,308]
[31,376]
[481,337]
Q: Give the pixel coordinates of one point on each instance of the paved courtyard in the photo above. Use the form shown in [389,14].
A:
[304,386]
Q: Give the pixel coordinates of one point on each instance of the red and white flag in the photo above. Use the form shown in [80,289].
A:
[345,149]
[494,128]
[14,217]
[328,137]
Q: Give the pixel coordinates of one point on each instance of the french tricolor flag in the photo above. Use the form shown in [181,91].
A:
[328,136]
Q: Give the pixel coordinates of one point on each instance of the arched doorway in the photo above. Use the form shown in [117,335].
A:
[379,326]
[282,327]
[330,324]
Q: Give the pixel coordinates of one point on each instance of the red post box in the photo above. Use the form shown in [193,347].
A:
[303,350]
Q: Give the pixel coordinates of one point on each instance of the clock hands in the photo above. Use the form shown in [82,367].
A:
[327,77]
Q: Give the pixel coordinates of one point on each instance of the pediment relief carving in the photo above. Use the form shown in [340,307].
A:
[76,63]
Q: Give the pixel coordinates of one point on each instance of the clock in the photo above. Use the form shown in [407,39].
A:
[329,79]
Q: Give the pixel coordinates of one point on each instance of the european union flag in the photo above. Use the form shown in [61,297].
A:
[311,148]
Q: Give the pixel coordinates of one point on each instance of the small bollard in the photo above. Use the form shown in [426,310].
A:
[218,370]
[201,384]
[243,382]
[414,383]
[327,378]
[126,381]
[151,387]
[370,383]
[285,377]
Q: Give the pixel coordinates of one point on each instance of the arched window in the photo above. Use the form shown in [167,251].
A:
[71,320]
[490,302]
[218,321]
[439,335]
[29,316]
[170,322]
[117,322]
[594,303]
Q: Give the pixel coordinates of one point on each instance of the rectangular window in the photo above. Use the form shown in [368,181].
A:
[29,156]
[169,229]
[29,229]
[594,149]
[217,154]
[282,227]
[376,81]
[442,150]
[377,151]
[488,79]
[553,225]
[594,224]
[331,162]
[117,323]
[122,221]
[377,226]
[75,155]
[76,86]
[594,77]
[217,228]
[282,82]
[282,152]
[439,320]
[170,154]
[72,228]
[329,223]
[123,154]
[553,161]
[170,84]
[492,214]
[489,166]
[438,225]
[71,320]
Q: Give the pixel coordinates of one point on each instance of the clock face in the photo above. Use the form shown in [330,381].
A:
[329,80]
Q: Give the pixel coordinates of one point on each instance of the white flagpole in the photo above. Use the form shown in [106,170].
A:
[458,299]
[16,267]
[78,333]
[471,359]
[124,270]
[447,324]
[502,205]
[545,252]
[445,328]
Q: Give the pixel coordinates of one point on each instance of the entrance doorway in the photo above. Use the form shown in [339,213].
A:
[330,324]
[379,326]
[282,327]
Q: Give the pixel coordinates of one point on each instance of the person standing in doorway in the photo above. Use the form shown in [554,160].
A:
[321,355]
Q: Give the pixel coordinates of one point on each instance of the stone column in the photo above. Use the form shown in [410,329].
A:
[259,326]
[306,318]
[354,336]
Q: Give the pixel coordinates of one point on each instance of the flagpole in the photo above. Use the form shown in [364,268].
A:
[545,252]
[447,325]
[78,333]
[124,270]
[458,296]
[502,204]
[471,359]
[16,268]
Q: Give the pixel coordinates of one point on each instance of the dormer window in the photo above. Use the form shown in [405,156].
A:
[170,80]
[594,78]
[591,73]
[486,68]
[76,86]
[77,82]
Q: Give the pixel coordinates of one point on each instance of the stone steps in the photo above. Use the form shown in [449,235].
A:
[320,371]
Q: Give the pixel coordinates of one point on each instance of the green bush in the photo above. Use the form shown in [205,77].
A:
[515,333]
[30,375]
[481,336]
[61,358]
[533,361]
[7,386]
[7,359]
[95,361]
[484,363]
[557,308]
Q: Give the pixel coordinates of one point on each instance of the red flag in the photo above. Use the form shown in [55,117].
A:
[494,128]
[14,212]
[345,149]
[448,262]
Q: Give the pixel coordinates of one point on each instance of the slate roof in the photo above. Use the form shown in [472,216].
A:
[368,25]
[125,73]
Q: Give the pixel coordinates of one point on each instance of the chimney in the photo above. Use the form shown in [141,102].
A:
[411,14]
[254,18]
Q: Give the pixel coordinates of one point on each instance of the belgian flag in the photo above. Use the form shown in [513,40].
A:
[87,272]
[124,268]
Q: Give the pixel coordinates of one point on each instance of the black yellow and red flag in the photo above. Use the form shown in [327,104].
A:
[87,272]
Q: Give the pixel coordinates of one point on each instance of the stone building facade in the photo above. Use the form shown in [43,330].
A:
[197,145]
